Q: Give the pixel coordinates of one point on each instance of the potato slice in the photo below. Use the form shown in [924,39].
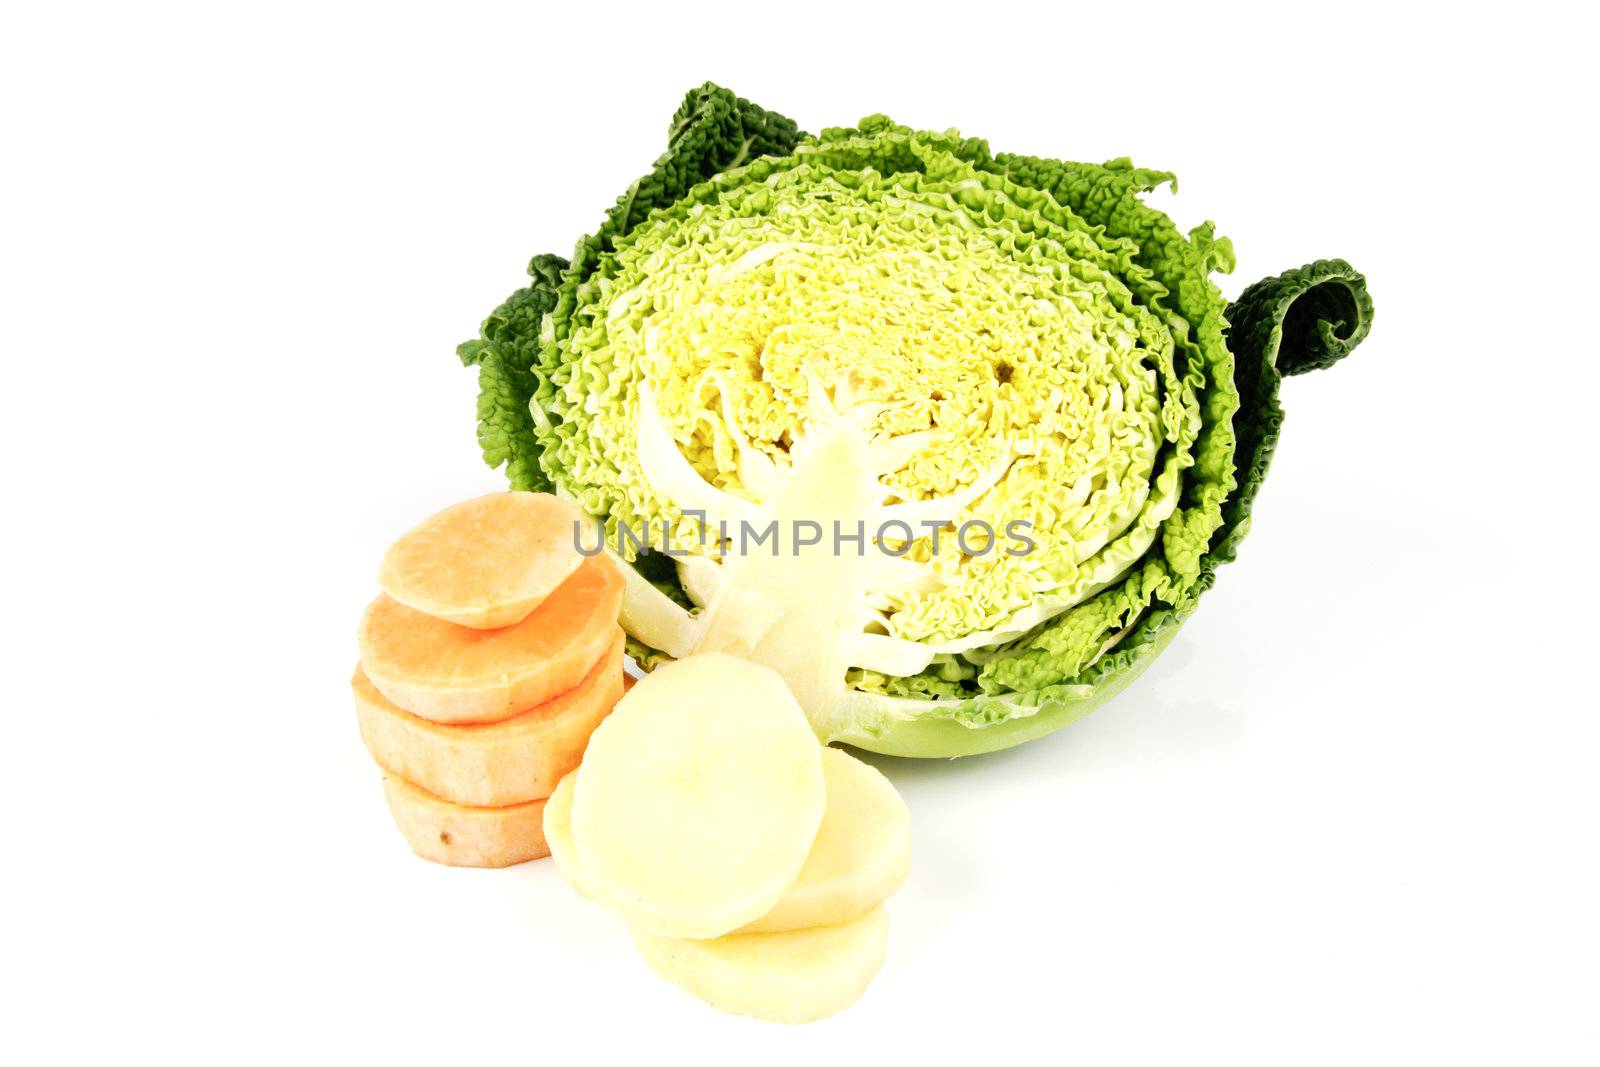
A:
[461,836]
[861,856]
[487,562]
[558,834]
[449,673]
[793,977]
[699,797]
[497,763]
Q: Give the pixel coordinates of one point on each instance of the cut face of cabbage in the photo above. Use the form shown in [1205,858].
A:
[1004,384]
[978,341]
[966,354]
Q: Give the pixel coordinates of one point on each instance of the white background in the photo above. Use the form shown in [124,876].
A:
[1348,817]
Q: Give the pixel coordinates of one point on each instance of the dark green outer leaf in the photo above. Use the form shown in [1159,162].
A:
[507,346]
[1301,320]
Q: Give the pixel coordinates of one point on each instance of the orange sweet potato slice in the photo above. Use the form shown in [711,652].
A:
[487,562]
[454,674]
[461,836]
[491,764]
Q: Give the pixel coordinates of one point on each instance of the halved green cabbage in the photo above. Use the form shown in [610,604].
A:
[883,326]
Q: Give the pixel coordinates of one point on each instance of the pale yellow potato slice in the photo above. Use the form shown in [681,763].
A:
[698,798]
[861,856]
[558,833]
[793,977]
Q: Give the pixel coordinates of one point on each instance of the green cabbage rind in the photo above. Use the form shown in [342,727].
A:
[532,393]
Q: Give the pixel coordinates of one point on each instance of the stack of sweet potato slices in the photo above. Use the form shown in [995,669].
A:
[486,662]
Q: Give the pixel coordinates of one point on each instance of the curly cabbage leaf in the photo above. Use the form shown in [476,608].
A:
[904,334]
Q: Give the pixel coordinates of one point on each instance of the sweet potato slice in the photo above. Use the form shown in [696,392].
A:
[461,836]
[793,977]
[486,562]
[699,797]
[491,764]
[454,674]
